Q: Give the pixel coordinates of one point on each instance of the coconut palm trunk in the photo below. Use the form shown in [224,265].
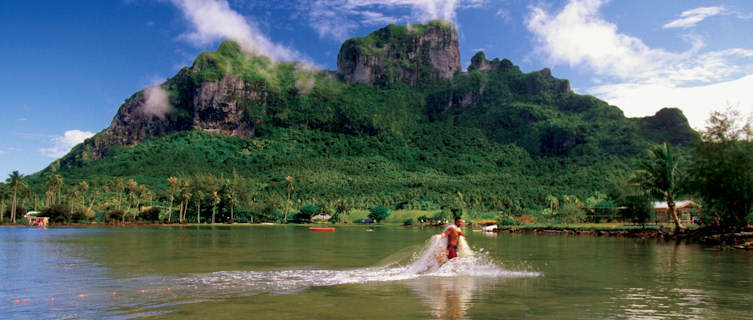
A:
[673,211]
[13,207]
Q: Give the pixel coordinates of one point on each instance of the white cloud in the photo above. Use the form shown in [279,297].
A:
[214,20]
[637,78]
[578,36]
[156,102]
[692,17]
[63,144]
[338,18]
[697,103]
[504,15]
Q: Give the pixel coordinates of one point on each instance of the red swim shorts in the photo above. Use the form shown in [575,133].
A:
[452,252]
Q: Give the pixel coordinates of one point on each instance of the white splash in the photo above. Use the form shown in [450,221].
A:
[429,262]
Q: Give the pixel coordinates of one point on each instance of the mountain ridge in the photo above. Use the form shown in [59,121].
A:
[436,119]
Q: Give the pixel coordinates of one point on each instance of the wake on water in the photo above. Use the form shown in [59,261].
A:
[431,261]
[426,271]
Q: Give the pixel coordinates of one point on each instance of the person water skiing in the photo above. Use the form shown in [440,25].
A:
[453,234]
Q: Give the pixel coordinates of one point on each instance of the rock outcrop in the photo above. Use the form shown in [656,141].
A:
[215,106]
[479,62]
[412,54]
[218,106]
[667,125]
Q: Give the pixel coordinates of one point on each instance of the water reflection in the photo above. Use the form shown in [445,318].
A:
[451,297]
[661,303]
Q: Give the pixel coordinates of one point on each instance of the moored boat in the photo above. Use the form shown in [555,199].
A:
[321,229]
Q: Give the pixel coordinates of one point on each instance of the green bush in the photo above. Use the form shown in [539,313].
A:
[639,209]
[305,213]
[58,213]
[79,216]
[151,214]
[408,222]
[379,213]
[20,212]
[571,213]
[605,209]
[506,220]
[114,215]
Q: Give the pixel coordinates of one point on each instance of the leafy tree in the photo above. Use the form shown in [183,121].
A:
[151,214]
[662,177]
[379,213]
[305,213]
[571,212]
[605,209]
[342,207]
[722,169]
[639,208]
[115,216]
[58,213]
[79,216]
[3,196]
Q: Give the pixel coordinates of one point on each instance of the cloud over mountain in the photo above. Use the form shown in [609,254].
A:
[632,71]
[215,20]
[62,144]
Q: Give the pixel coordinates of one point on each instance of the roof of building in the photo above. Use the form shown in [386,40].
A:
[662,205]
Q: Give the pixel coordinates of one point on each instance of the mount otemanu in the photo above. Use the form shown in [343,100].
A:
[398,124]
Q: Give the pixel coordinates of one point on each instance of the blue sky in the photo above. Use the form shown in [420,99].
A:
[68,65]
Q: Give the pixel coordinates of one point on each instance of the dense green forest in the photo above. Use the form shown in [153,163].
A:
[483,141]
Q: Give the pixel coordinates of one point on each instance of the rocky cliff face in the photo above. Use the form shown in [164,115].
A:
[410,54]
[479,62]
[215,106]
[533,83]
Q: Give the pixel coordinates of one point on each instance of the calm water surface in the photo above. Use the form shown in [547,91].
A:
[288,272]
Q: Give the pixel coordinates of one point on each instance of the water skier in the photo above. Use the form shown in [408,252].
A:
[453,233]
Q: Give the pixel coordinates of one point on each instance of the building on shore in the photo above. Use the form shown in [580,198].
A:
[686,211]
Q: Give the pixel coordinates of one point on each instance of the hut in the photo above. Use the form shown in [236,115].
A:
[686,210]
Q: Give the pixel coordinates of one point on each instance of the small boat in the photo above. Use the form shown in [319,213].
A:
[321,229]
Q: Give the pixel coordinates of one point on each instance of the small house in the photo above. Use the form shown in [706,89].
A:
[685,209]
[321,217]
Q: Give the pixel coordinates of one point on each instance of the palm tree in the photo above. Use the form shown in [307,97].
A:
[661,176]
[83,186]
[215,202]
[184,205]
[173,189]
[49,185]
[59,186]
[199,196]
[289,185]
[15,180]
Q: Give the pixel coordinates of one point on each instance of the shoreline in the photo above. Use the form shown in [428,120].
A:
[742,239]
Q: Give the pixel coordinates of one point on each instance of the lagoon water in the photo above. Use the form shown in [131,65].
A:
[289,272]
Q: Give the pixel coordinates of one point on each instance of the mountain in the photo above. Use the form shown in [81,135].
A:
[398,123]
